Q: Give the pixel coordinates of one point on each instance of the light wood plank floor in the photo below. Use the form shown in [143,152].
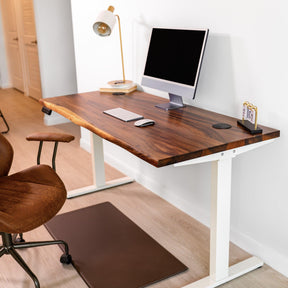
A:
[184,237]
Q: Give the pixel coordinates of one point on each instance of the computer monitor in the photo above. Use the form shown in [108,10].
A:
[173,63]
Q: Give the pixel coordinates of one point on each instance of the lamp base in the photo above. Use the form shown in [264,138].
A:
[119,87]
[127,84]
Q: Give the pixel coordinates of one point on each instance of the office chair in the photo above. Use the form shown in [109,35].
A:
[28,199]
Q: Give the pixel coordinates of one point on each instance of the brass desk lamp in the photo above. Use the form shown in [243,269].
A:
[103,27]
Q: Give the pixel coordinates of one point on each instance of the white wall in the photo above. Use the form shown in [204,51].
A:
[4,75]
[246,59]
[56,50]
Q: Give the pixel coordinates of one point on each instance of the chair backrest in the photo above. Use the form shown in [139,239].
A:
[6,156]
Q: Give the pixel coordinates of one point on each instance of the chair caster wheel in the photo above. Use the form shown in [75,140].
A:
[66,259]
[19,240]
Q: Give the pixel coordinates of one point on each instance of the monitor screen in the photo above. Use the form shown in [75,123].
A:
[174,60]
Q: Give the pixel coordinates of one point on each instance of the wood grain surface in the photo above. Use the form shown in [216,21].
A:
[177,135]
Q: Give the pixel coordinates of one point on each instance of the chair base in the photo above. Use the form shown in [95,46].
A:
[9,247]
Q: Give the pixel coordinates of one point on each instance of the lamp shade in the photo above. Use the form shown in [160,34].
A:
[105,22]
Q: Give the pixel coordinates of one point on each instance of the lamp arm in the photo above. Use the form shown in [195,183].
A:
[121,48]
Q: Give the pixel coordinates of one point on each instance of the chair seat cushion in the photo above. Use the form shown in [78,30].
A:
[30,198]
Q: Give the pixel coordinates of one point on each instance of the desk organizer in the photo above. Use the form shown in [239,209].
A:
[249,126]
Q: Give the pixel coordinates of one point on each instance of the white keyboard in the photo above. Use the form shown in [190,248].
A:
[123,114]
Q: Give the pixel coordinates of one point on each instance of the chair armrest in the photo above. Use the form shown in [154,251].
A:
[50,137]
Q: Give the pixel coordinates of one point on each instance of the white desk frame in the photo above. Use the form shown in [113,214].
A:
[220,272]
[98,170]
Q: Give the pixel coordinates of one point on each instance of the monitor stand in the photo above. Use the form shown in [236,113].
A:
[174,103]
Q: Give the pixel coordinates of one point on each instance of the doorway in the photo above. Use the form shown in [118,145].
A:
[21,45]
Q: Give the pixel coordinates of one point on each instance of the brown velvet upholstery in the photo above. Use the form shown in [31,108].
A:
[6,156]
[28,199]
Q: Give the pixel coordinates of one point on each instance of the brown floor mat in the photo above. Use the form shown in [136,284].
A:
[110,251]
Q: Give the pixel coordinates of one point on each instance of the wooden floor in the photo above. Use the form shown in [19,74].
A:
[184,237]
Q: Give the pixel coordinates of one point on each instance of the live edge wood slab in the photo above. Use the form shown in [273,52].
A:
[177,135]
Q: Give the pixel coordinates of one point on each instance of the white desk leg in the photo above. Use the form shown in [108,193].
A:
[98,170]
[98,167]
[220,272]
[220,217]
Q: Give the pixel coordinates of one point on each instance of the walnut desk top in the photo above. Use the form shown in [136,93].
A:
[177,135]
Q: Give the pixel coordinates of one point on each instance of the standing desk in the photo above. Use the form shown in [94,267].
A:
[180,137]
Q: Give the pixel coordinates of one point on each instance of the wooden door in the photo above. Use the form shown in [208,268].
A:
[12,43]
[30,49]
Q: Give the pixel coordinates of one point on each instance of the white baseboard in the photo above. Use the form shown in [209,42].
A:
[6,86]
[269,255]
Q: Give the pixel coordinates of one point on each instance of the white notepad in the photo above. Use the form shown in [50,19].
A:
[123,114]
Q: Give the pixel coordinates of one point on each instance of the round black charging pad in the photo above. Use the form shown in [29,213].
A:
[221,126]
